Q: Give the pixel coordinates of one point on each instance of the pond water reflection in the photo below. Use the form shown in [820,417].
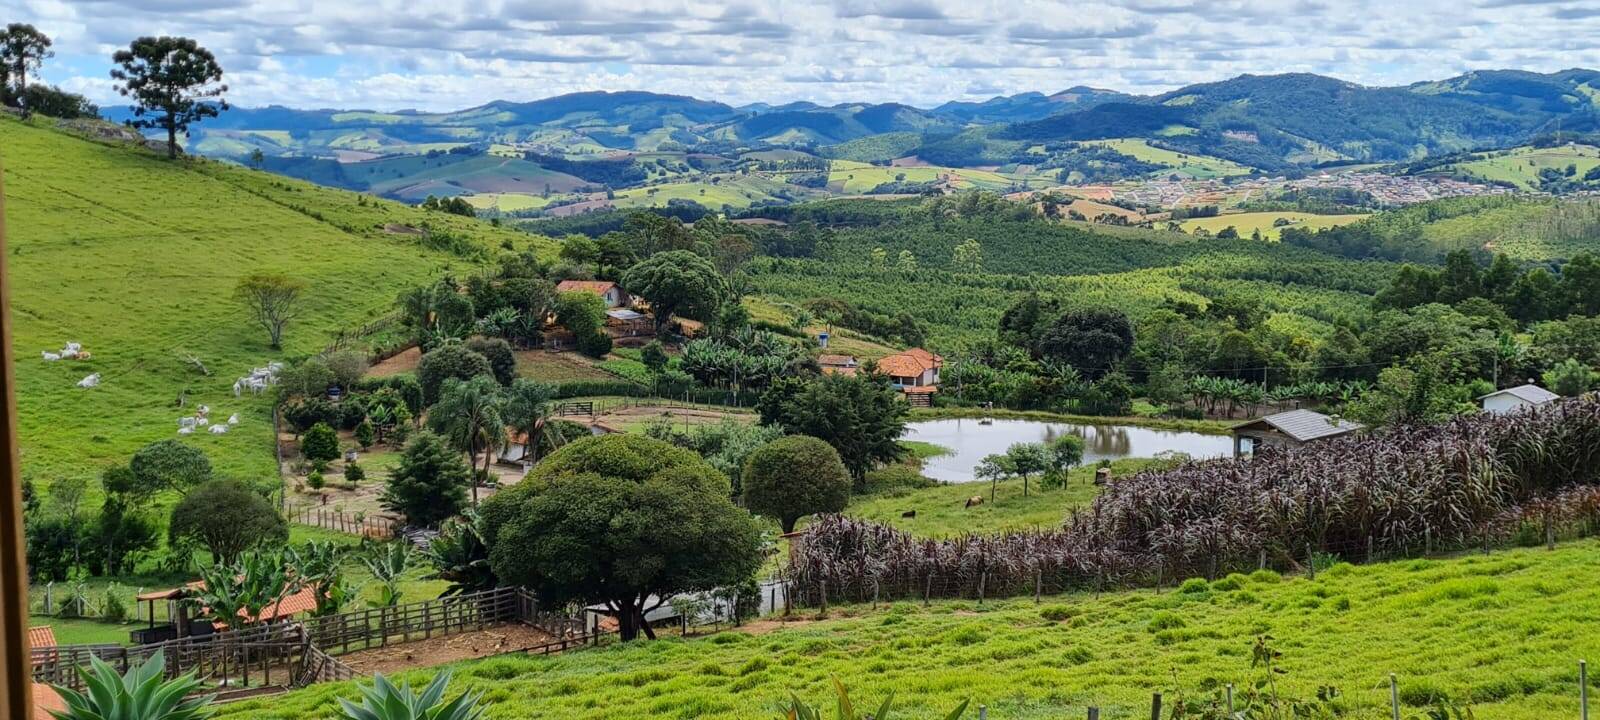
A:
[970,441]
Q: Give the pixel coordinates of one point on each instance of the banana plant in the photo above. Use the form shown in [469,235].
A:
[141,694]
[386,701]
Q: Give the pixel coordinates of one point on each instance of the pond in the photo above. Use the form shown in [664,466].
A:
[969,442]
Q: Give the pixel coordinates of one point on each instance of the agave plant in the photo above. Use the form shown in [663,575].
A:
[844,709]
[141,694]
[386,701]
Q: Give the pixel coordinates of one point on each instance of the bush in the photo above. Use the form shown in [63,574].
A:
[1194,586]
[321,443]
[795,476]
[315,480]
[594,345]
[450,361]
[502,362]
[113,608]
[365,434]
[169,464]
[1056,613]
[353,474]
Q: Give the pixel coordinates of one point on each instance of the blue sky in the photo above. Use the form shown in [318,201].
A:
[439,55]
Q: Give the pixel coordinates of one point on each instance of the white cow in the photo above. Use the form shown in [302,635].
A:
[218,429]
[202,411]
[93,380]
[233,419]
[50,356]
[186,430]
[186,422]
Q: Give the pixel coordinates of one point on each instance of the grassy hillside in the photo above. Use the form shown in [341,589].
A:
[136,258]
[1521,166]
[1184,164]
[1503,632]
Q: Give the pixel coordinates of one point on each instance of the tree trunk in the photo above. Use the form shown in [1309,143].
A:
[788,524]
[628,617]
[472,466]
[172,148]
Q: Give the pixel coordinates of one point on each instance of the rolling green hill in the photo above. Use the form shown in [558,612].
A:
[136,258]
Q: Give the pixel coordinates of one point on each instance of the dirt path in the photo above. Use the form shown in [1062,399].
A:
[440,650]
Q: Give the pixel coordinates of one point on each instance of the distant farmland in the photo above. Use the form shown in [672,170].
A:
[1266,222]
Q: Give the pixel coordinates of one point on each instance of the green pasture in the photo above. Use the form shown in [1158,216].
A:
[1267,222]
[1521,166]
[1199,167]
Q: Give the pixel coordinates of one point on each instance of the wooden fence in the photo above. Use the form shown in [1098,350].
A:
[299,653]
[372,526]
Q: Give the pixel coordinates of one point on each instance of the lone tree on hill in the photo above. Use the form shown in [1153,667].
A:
[22,49]
[792,477]
[677,282]
[624,520]
[271,299]
[173,79]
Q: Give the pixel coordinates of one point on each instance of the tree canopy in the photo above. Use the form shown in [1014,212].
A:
[623,520]
[860,416]
[228,518]
[430,483]
[173,83]
[677,282]
[795,476]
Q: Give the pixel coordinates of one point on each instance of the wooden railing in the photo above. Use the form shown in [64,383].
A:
[380,527]
[293,654]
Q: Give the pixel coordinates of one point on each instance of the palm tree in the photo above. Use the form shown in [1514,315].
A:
[528,410]
[470,414]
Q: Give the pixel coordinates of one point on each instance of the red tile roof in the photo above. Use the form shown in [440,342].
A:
[46,698]
[598,287]
[910,363]
[41,637]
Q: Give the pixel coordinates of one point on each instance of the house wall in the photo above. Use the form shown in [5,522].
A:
[1504,403]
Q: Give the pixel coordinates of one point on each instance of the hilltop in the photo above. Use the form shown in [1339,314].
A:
[136,258]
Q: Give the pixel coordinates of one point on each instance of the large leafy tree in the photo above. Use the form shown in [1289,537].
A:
[1090,340]
[471,415]
[860,416]
[623,520]
[228,518]
[173,83]
[676,282]
[22,49]
[450,361]
[430,483]
[165,465]
[795,476]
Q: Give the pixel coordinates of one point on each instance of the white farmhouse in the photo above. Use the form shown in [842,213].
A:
[1516,399]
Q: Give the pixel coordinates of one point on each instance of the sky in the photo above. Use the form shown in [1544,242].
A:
[446,55]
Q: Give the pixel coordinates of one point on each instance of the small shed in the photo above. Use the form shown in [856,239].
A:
[1516,399]
[1289,430]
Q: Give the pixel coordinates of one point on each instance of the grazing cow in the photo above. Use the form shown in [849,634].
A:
[233,419]
[186,430]
[186,422]
[92,380]
[909,514]
[975,500]
[201,411]
[218,429]
[50,356]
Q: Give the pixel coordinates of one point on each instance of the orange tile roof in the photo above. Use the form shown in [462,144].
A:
[41,637]
[45,698]
[827,359]
[303,601]
[598,287]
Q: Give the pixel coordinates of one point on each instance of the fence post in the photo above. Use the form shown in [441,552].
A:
[983,712]
[1394,696]
[1094,713]
[824,590]
[1311,561]
[1583,689]
[1155,706]
[1549,532]
[1230,699]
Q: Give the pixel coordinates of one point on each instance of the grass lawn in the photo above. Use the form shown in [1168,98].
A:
[507,202]
[1266,222]
[942,511]
[1503,632]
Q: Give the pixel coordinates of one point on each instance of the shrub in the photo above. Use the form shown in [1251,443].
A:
[315,480]
[1056,613]
[354,473]
[1194,586]
[113,607]
[595,345]
[365,434]
[1164,620]
[321,442]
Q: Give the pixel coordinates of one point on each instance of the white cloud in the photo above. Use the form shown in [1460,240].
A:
[447,54]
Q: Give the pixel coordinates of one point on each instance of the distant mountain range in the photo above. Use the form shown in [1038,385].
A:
[1268,122]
